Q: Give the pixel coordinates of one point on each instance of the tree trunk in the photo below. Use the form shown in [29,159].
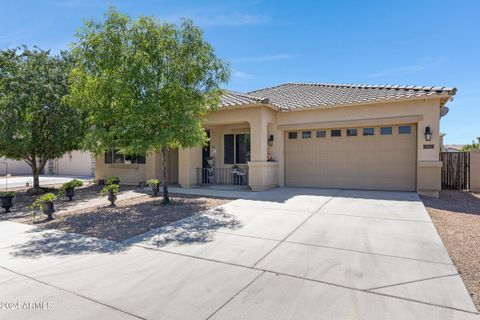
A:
[35,173]
[166,199]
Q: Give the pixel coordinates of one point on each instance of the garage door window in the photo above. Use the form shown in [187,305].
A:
[368,131]
[351,132]
[385,131]
[321,134]
[292,135]
[306,134]
[404,130]
[336,133]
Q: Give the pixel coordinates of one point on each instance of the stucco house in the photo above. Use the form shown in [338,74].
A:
[75,163]
[309,135]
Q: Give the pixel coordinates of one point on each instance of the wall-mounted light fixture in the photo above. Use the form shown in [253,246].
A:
[428,134]
[270,140]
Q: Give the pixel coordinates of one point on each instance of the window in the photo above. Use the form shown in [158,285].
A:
[351,132]
[321,134]
[242,148]
[236,148]
[229,149]
[292,135]
[336,133]
[368,131]
[117,158]
[306,134]
[385,131]
[404,130]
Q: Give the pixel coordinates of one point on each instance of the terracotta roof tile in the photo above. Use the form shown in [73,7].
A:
[292,96]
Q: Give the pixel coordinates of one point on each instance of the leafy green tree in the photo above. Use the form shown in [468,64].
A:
[147,85]
[35,124]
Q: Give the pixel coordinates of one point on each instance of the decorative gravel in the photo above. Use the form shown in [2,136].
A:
[23,200]
[131,217]
[456,215]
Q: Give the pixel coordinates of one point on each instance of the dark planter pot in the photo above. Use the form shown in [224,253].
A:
[48,209]
[7,203]
[112,197]
[155,190]
[116,181]
[70,193]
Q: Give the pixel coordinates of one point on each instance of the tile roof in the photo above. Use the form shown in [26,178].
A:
[233,99]
[292,96]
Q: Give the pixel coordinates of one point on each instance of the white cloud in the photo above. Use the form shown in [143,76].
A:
[231,20]
[242,76]
[265,58]
[397,71]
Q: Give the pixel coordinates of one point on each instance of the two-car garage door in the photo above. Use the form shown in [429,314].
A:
[358,157]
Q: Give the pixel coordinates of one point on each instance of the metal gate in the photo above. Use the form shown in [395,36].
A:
[455,170]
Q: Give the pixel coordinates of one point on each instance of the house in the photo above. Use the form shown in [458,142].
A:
[75,163]
[309,135]
[453,147]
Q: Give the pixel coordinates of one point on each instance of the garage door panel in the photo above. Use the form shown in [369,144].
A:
[363,162]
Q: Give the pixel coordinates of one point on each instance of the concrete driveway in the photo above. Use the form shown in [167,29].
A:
[287,253]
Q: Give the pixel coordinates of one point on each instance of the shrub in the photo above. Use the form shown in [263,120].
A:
[110,187]
[153,182]
[113,180]
[72,184]
[7,194]
[47,197]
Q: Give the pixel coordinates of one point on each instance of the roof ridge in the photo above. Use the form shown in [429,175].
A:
[272,87]
[248,96]
[367,86]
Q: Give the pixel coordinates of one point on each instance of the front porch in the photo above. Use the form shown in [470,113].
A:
[241,152]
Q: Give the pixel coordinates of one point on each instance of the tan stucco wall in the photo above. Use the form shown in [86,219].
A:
[262,121]
[475,170]
[132,174]
[74,163]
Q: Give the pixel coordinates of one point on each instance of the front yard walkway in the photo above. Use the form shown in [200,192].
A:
[280,254]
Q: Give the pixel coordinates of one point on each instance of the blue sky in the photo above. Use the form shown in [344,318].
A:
[271,42]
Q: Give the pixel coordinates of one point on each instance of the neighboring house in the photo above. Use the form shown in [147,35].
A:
[75,163]
[315,135]
[453,147]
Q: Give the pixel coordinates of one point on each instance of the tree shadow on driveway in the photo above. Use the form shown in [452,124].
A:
[57,243]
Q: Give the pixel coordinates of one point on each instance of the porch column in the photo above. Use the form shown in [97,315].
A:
[188,161]
[262,174]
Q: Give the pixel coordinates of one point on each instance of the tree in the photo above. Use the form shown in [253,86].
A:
[473,145]
[35,124]
[147,85]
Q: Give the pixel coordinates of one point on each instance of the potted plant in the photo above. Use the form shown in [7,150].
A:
[69,188]
[7,200]
[155,184]
[45,203]
[112,191]
[113,180]
[210,161]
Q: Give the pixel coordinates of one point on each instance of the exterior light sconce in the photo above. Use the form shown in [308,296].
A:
[428,134]
[270,140]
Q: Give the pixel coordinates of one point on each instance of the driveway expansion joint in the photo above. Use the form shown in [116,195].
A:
[75,294]
[368,217]
[413,281]
[371,253]
[298,227]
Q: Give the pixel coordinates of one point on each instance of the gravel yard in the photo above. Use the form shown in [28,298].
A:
[131,217]
[456,215]
[23,200]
